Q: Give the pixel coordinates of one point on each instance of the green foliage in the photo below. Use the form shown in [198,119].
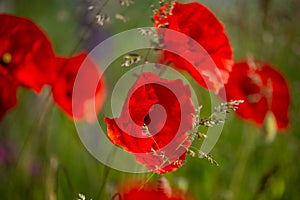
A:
[51,161]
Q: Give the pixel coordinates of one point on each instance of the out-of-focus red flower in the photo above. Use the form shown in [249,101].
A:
[27,59]
[153,123]
[8,94]
[26,54]
[210,66]
[136,190]
[90,89]
[264,90]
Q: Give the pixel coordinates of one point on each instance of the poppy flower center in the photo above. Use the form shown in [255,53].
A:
[253,90]
[155,120]
[68,94]
[147,120]
[257,89]
[145,128]
[6,59]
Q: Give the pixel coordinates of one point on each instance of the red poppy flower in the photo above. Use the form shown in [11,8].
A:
[90,89]
[8,94]
[210,63]
[153,123]
[136,190]
[25,53]
[264,90]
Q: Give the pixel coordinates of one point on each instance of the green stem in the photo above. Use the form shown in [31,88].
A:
[147,180]
[106,172]
[68,180]
[36,125]
[245,149]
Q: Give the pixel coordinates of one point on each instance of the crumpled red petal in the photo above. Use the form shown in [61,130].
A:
[210,68]
[90,89]
[8,95]
[153,123]
[30,55]
[136,190]
[263,88]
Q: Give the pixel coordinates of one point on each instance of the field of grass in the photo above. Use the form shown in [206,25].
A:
[42,156]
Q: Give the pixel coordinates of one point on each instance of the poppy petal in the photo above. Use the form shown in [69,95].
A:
[264,90]
[31,57]
[153,123]
[85,103]
[8,95]
[201,25]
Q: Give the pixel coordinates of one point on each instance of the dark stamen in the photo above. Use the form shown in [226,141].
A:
[147,120]
[5,59]
[69,94]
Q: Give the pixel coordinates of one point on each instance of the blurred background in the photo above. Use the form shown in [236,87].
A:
[45,159]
